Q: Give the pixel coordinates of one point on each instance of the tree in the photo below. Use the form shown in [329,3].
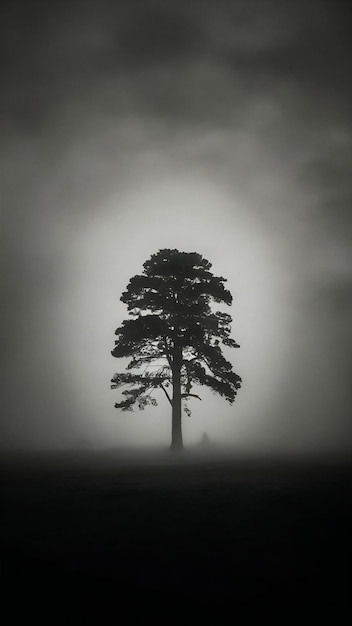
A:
[174,338]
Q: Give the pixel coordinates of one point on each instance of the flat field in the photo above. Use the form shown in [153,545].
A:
[185,527]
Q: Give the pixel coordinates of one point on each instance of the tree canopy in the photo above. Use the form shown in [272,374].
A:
[173,337]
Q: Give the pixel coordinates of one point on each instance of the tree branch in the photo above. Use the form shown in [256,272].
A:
[194,358]
[190,395]
[167,395]
[167,351]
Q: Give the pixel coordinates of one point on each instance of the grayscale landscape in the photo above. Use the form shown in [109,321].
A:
[175,182]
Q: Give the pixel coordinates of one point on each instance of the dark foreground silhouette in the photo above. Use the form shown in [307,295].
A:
[158,528]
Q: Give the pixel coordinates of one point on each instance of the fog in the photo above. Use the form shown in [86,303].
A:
[222,128]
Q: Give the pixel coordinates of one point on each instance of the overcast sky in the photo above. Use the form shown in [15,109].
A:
[217,127]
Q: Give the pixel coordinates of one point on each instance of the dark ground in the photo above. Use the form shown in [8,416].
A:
[103,528]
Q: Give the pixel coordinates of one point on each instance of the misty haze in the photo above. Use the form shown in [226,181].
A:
[222,129]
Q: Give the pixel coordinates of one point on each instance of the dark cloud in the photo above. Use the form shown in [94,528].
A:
[76,51]
[158,34]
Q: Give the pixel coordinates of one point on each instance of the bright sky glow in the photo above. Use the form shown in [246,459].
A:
[190,214]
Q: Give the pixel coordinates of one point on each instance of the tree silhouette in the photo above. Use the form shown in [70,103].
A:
[174,337]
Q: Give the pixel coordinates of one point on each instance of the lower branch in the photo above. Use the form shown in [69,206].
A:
[190,395]
[167,395]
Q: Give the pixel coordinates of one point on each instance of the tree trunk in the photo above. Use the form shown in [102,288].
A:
[176,438]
